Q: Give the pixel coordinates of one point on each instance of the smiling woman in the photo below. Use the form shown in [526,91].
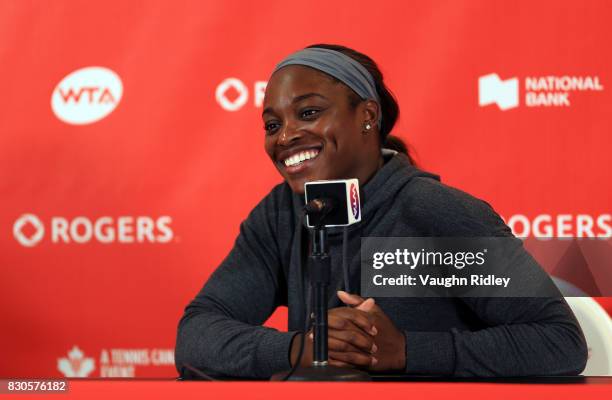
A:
[338,130]
[328,115]
[307,112]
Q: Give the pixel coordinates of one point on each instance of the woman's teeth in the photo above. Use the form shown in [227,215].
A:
[300,157]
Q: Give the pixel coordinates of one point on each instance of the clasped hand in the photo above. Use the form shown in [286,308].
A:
[360,336]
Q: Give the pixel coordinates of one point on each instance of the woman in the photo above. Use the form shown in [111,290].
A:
[327,115]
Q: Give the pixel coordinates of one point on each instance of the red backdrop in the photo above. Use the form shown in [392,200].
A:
[174,171]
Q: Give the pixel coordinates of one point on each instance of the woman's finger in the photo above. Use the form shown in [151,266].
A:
[338,318]
[358,302]
[359,359]
[350,299]
[340,364]
[335,344]
[340,345]
[356,338]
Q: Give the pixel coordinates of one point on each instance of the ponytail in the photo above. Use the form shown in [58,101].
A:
[397,144]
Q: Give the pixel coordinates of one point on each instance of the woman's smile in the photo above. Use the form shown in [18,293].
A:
[299,159]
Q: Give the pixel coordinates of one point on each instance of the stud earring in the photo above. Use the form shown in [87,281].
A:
[366,128]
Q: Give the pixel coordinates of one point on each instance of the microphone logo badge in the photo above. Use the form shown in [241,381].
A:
[355,207]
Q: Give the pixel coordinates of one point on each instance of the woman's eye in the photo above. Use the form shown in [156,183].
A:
[309,113]
[271,127]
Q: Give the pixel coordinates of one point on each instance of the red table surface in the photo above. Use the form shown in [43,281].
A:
[593,388]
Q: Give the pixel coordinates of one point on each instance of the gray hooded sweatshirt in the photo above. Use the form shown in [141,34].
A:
[220,332]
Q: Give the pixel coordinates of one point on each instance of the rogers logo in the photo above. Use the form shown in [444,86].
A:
[232,94]
[20,226]
[561,226]
[355,201]
[124,229]
[86,95]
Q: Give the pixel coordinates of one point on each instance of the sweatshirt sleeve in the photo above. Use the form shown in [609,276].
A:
[220,330]
[525,337]
[522,336]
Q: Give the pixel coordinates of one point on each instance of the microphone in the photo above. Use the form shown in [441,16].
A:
[319,206]
[332,203]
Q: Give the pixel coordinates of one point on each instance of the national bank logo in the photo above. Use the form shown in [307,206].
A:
[86,95]
[538,91]
[493,90]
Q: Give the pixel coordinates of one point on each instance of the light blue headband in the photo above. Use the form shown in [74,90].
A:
[341,67]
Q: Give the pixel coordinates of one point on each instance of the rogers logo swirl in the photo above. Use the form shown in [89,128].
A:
[22,237]
[355,201]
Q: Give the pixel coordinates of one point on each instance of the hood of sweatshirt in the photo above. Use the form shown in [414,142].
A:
[388,181]
[384,185]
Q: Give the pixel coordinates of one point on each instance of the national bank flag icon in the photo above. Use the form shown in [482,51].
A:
[492,90]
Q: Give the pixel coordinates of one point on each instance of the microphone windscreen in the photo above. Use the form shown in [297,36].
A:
[344,196]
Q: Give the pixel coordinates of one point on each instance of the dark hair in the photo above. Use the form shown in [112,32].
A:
[388,105]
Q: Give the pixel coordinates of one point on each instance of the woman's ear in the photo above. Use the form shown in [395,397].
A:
[371,111]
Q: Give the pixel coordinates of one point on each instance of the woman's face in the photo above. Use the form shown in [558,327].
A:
[313,132]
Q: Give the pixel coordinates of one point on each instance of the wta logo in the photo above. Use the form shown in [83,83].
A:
[354,196]
[86,95]
[29,230]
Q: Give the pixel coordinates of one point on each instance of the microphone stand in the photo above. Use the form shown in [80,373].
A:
[320,267]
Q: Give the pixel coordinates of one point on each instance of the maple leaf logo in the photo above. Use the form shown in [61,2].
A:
[76,365]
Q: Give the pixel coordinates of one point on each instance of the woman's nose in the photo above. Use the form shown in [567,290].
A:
[288,135]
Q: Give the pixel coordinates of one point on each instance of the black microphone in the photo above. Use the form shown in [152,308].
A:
[319,206]
[332,203]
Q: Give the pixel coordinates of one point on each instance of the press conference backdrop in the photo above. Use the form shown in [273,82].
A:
[131,145]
